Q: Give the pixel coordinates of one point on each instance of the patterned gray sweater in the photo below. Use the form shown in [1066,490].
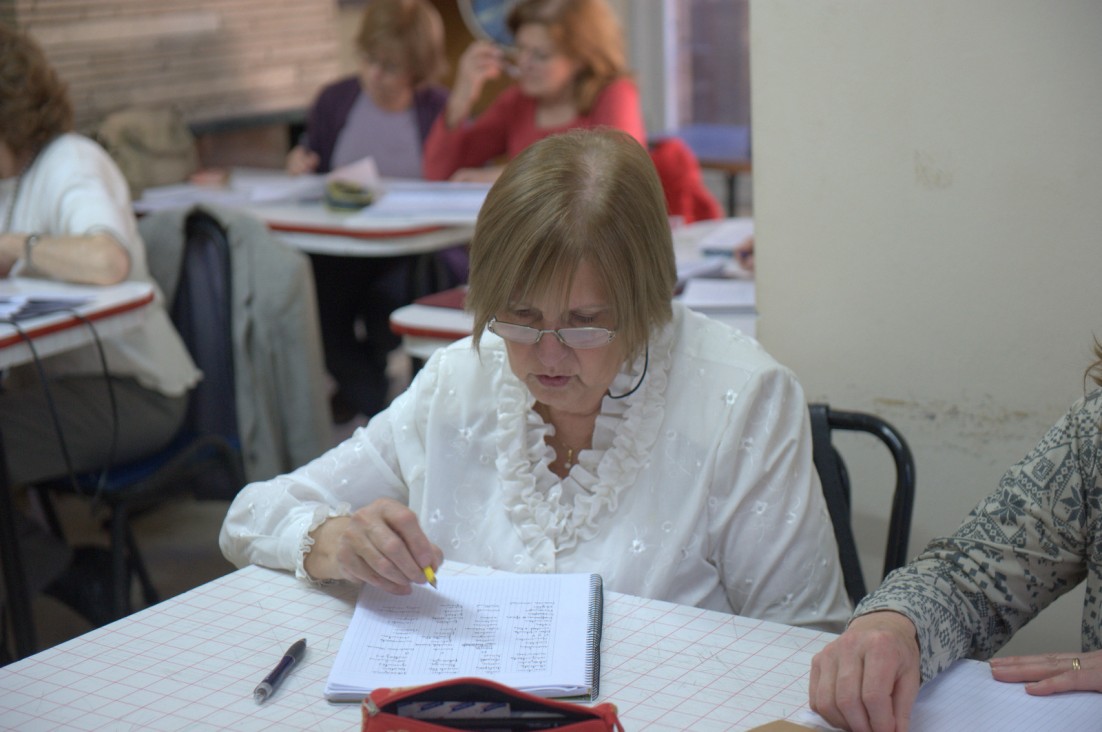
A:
[1036,537]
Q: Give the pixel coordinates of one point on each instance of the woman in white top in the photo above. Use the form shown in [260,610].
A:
[589,424]
[66,215]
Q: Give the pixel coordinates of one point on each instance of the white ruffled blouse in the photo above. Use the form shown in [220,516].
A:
[698,489]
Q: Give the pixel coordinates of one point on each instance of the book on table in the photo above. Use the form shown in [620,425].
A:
[539,633]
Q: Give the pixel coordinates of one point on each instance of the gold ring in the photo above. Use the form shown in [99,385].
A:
[1075,664]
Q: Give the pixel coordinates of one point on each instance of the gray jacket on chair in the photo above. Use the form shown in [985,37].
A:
[279,369]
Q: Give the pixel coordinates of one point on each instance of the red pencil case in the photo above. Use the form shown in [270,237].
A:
[482,705]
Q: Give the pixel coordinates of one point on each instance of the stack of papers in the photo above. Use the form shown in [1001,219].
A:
[22,307]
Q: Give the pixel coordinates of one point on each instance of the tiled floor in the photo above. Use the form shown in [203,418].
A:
[179,542]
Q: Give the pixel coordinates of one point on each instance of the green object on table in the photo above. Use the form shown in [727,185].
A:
[342,195]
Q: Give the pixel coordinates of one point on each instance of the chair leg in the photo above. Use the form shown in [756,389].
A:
[120,566]
[49,511]
[137,566]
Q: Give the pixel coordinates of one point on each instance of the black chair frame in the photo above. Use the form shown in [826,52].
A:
[836,489]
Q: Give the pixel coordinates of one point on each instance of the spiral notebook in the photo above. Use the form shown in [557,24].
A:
[539,633]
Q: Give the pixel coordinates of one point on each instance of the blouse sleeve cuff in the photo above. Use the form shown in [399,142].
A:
[320,515]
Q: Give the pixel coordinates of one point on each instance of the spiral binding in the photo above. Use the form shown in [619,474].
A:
[593,640]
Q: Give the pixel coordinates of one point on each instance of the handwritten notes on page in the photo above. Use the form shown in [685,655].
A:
[537,633]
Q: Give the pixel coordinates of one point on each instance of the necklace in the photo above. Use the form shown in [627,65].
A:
[569,462]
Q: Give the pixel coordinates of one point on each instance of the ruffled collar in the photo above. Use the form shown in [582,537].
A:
[551,514]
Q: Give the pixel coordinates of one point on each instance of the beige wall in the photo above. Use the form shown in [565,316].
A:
[926,183]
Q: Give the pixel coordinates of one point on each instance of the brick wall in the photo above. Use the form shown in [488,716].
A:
[212,59]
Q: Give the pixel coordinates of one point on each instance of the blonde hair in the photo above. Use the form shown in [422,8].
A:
[412,27]
[589,195]
[1094,371]
[586,31]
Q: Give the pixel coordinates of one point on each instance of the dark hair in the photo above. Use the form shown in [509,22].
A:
[589,195]
[34,102]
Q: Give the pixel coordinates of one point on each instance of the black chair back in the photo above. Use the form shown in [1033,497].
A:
[836,489]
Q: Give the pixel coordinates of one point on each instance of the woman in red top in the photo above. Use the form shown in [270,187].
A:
[570,72]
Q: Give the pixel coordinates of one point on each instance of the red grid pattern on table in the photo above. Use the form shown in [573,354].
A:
[193,661]
[674,667]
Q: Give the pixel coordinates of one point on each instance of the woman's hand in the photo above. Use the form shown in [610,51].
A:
[744,253]
[867,679]
[302,160]
[382,544]
[481,62]
[1052,673]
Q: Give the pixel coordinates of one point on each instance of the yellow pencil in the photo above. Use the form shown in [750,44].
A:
[430,576]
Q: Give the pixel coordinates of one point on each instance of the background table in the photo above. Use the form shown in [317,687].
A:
[193,661]
[437,320]
[112,309]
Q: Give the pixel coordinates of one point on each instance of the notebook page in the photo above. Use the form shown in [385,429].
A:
[526,631]
[965,697]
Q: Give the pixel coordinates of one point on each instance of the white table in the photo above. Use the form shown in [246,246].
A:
[193,661]
[112,309]
[293,207]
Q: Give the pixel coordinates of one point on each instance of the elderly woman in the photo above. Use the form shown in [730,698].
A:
[66,216]
[590,424]
[385,111]
[1035,538]
[570,72]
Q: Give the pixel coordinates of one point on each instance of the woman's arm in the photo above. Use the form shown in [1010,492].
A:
[95,259]
[775,546]
[966,595]
[1023,546]
[475,143]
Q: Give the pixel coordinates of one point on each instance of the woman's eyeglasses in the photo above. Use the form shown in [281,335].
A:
[571,337]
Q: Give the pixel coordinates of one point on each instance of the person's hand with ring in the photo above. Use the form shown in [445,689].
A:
[1051,673]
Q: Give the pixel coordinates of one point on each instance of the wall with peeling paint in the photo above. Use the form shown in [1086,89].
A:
[928,204]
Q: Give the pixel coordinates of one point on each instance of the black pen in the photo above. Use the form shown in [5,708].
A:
[271,681]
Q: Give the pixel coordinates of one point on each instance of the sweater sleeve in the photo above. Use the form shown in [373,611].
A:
[1023,546]
[471,144]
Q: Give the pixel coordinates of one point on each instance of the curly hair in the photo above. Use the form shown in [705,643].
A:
[34,101]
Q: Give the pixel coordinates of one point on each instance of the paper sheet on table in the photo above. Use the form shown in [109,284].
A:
[363,172]
[723,239]
[427,202]
[719,294]
[965,697]
[245,186]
